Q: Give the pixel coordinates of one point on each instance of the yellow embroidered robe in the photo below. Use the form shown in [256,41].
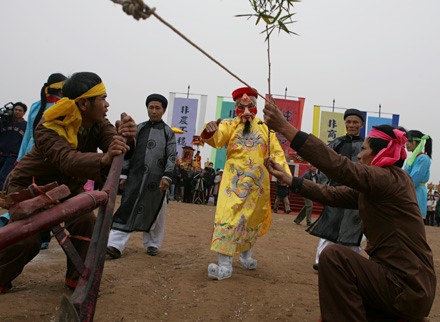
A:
[243,210]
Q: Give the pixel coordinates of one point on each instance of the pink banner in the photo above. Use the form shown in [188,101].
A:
[293,112]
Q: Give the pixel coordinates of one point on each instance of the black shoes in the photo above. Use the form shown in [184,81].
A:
[152,251]
[315,267]
[113,252]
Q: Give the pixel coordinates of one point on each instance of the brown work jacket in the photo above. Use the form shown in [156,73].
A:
[53,159]
[391,218]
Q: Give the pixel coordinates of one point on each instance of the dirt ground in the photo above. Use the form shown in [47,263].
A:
[174,286]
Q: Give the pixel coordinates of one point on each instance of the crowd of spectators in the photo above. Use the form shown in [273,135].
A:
[195,185]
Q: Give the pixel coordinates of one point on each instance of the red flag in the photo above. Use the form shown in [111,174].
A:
[293,112]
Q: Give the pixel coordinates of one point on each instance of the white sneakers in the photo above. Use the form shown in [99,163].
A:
[249,263]
[219,272]
[224,268]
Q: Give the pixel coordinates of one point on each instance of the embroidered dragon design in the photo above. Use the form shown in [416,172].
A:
[247,180]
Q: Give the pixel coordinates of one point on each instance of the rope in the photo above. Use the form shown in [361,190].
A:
[139,10]
[136,8]
[37,188]
[62,241]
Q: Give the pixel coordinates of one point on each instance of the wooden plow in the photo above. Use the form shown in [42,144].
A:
[81,305]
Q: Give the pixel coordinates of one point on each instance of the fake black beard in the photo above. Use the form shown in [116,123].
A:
[247,127]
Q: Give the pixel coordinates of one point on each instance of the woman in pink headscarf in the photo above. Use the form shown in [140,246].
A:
[398,280]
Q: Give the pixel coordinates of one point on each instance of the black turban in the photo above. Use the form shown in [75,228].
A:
[353,111]
[157,98]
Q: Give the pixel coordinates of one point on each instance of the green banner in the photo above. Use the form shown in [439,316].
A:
[225,110]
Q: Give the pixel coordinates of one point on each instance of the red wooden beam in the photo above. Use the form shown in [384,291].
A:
[45,220]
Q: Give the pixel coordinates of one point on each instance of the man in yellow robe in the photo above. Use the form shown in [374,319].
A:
[243,210]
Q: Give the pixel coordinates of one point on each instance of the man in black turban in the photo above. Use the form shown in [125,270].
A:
[157,98]
[148,174]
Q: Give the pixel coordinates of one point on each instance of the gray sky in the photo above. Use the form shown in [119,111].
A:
[360,53]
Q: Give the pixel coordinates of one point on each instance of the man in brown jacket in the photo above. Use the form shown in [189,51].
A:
[398,280]
[65,151]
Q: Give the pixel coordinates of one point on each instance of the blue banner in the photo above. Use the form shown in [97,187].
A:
[185,118]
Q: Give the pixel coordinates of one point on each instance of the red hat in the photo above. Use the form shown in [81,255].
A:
[239,92]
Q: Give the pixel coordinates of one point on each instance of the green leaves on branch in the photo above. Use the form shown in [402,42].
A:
[274,14]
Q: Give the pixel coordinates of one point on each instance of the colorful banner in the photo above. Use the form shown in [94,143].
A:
[291,108]
[332,125]
[225,110]
[293,111]
[316,118]
[374,120]
[184,117]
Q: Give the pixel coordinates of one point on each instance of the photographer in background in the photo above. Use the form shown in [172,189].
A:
[12,128]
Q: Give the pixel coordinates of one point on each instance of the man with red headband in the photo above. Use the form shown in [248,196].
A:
[243,208]
[397,282]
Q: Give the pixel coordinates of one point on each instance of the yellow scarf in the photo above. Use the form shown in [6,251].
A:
[65,118]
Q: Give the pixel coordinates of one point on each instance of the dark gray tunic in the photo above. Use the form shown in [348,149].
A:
[154,157]
[339,225]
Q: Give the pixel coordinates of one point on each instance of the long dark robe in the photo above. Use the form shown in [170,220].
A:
[339,225]
[153,158]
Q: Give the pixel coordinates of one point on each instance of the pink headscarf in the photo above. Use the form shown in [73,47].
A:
[393,152]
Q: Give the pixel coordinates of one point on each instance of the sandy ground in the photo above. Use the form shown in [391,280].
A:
[174,286]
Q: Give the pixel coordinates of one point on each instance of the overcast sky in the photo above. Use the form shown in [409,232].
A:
[360,53]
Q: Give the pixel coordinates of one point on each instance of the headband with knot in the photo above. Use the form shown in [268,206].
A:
[420,147]
[65,118]
[394,151]
[57,85]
